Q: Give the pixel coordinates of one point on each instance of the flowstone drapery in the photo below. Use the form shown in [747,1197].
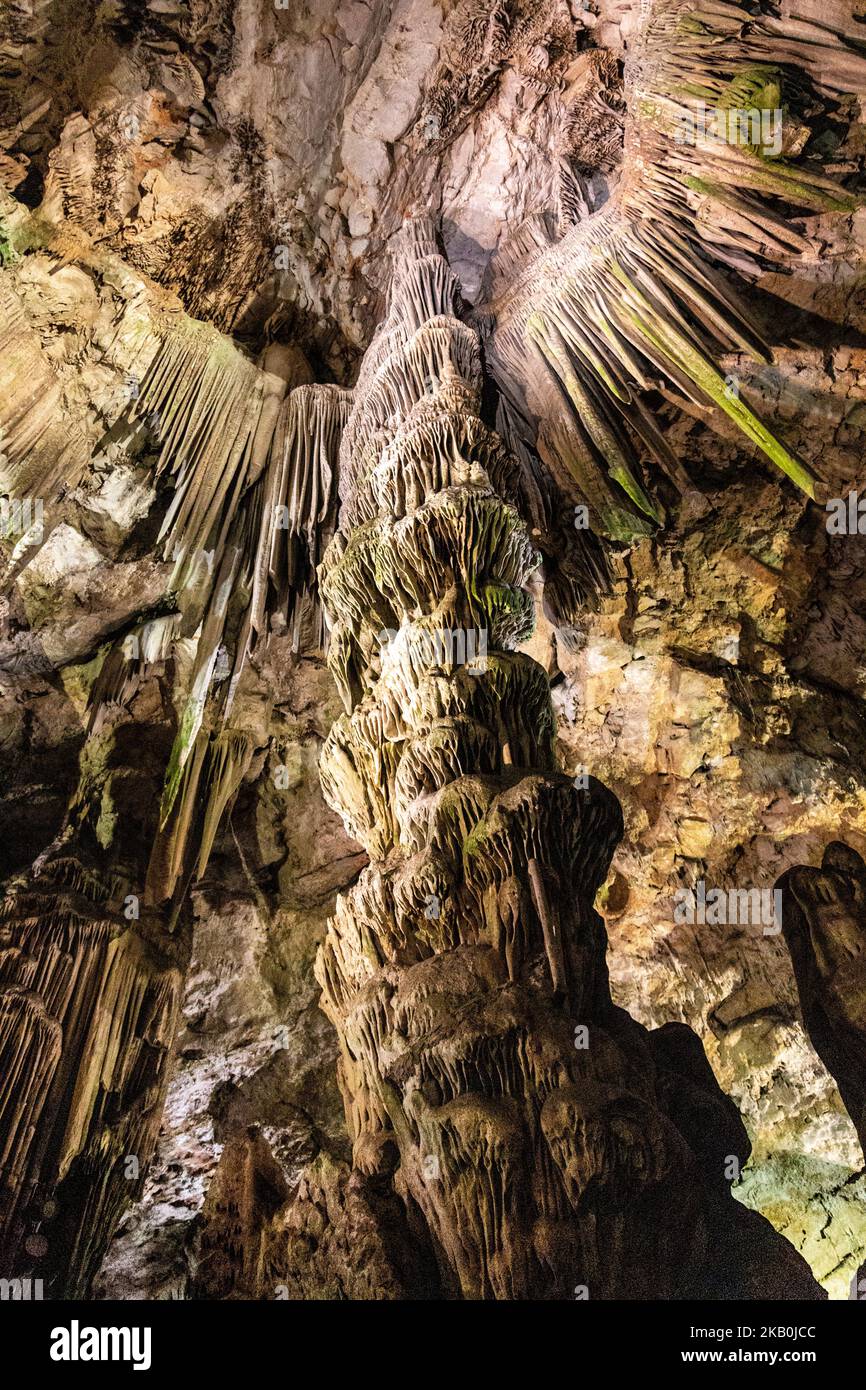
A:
[637,296]
[548,1142]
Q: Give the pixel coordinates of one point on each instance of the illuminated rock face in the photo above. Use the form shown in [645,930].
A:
[543,1136]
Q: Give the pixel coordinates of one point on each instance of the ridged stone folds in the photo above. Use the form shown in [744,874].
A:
[524,1118]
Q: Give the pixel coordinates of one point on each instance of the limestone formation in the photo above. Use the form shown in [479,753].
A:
[482,1063]
[251,501]
[634,296]
[495,356]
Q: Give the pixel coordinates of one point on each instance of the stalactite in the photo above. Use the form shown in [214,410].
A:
[298,512]
[90,992]
[489,1137]
[462,968]
[209,409]
[40,455]
[94,952]
[211,413]
[206,398]
[229,758]
[629,297]
[264,579]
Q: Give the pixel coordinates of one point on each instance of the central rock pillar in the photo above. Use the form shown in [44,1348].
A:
[483,1065]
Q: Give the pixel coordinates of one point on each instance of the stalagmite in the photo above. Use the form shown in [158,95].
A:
[484,1069]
